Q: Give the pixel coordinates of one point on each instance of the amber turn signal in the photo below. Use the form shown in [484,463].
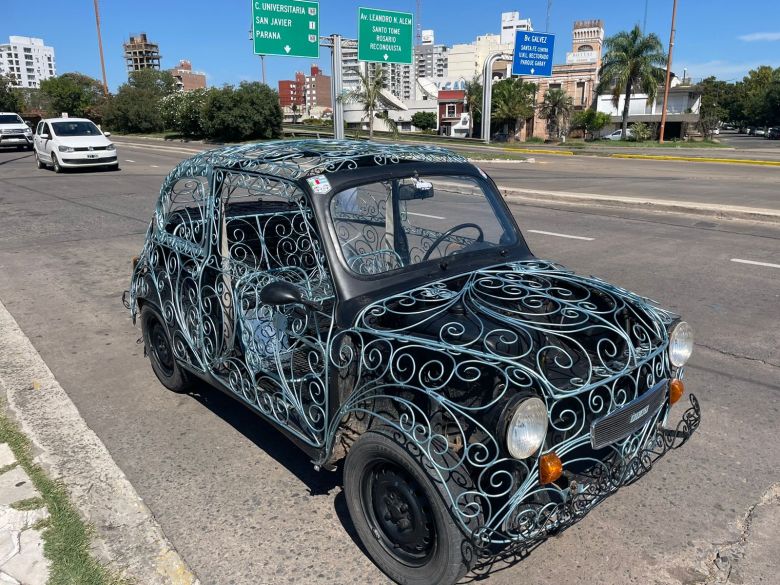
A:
[676,390]
[550,468]
[134,261]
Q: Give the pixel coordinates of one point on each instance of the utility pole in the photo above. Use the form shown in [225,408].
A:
[262,63]
[644,22]
[668,76]
[549,9]
[100,46]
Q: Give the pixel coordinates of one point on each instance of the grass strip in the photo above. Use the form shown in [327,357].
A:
[66,536]
[28,504]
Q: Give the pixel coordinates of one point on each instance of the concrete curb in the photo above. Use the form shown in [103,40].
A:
[700,159]
[720,211]
[129,540]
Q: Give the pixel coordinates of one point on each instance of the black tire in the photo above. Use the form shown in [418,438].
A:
[55,164]
[38,162]
[157,341]
[399,513]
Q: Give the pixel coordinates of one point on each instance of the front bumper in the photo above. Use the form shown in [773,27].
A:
[15,140]
[80,159]
[530,522]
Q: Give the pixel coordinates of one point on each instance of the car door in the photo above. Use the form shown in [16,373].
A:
[277,360]
[47,144]
[38,140]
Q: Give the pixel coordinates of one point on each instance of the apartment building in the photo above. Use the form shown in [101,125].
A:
[28,60]
[141,53]
[187,79]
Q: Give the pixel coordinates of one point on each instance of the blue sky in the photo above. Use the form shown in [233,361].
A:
[714,37]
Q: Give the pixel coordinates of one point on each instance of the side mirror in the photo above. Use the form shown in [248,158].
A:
[45,136]
[106,134]
[284,293]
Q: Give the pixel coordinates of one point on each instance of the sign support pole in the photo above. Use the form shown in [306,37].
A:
[336,88]
[487,91]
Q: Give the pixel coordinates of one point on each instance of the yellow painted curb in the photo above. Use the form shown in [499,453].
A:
[732,161]
[542,151]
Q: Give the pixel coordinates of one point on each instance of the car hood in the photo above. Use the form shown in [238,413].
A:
[78,141]
[554,329]
[22,127]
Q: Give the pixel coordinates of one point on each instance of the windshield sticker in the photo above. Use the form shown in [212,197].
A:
[319,184]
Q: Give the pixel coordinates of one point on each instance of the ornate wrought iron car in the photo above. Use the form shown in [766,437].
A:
[378,304]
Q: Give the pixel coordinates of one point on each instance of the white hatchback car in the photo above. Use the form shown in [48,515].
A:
[72,142]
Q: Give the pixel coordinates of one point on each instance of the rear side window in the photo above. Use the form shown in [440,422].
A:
[182,212]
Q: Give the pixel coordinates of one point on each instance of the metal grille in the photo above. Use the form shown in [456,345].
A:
[628,419]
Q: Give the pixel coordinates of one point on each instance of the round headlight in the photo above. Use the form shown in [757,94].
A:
[527,428]
[680,344]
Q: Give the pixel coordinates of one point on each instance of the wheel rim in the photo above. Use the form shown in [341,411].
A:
[399,513]
[161,348]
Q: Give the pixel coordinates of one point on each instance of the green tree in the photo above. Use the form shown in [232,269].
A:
[711,111]
[772,103]
[556,109]
[474,92]
[368,93]
[590,122]
[10,98]
[641,132]
[75,93]
[513,101]
[137,106]
[182,111]
[246,112]
[633,61]
[755,87]
[425,120]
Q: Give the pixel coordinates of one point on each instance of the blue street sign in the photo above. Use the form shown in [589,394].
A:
[533,54]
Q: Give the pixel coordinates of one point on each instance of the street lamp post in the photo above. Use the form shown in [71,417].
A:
[668,76]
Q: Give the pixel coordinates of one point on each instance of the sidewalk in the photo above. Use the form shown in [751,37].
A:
[72,469]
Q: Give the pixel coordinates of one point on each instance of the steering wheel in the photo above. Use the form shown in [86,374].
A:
[448,233]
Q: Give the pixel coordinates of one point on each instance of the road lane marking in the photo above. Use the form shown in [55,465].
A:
[155,166]
[424,215]
[561,235]
[128,160]
[754,263]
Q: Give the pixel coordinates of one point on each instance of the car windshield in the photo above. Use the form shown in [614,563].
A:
[10,119]
[76,129]
[390,224]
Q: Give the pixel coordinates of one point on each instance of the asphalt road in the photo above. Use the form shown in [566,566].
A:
[243,506]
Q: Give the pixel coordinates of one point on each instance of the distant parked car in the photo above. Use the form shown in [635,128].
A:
[72,142]
[14,132]
[773,133]
[759,132]
[618,135]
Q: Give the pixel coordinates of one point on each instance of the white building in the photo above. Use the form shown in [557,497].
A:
[465,61]
[28,60]
[510,23]
[398,79]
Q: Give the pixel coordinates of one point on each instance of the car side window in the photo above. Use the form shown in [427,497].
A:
[39,128]
[182,211]
[48,130]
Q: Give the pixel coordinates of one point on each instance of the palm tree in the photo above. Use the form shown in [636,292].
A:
[368,93]
[556,109]
[473,101]
[512,103]
[632,60]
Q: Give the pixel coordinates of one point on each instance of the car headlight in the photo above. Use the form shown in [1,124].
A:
[27,131]
[680,344]
[111,147]
[527,428]
[65,148]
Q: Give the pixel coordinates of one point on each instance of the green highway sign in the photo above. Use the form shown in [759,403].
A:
[385,36]
[290,28]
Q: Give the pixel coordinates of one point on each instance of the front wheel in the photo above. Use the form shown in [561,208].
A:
[38,161]
[55,163]
[399,513]
[159,348]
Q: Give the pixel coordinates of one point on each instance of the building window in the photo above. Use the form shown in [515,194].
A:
[451,110]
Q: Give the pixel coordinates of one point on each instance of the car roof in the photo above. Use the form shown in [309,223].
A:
[297,159]
[66,120]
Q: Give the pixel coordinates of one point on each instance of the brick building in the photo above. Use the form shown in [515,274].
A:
[451,110]
[186,78]
[579,77]
[309,93]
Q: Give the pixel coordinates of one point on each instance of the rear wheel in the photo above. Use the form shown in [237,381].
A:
[55,163]
[159,348]
[399,513]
